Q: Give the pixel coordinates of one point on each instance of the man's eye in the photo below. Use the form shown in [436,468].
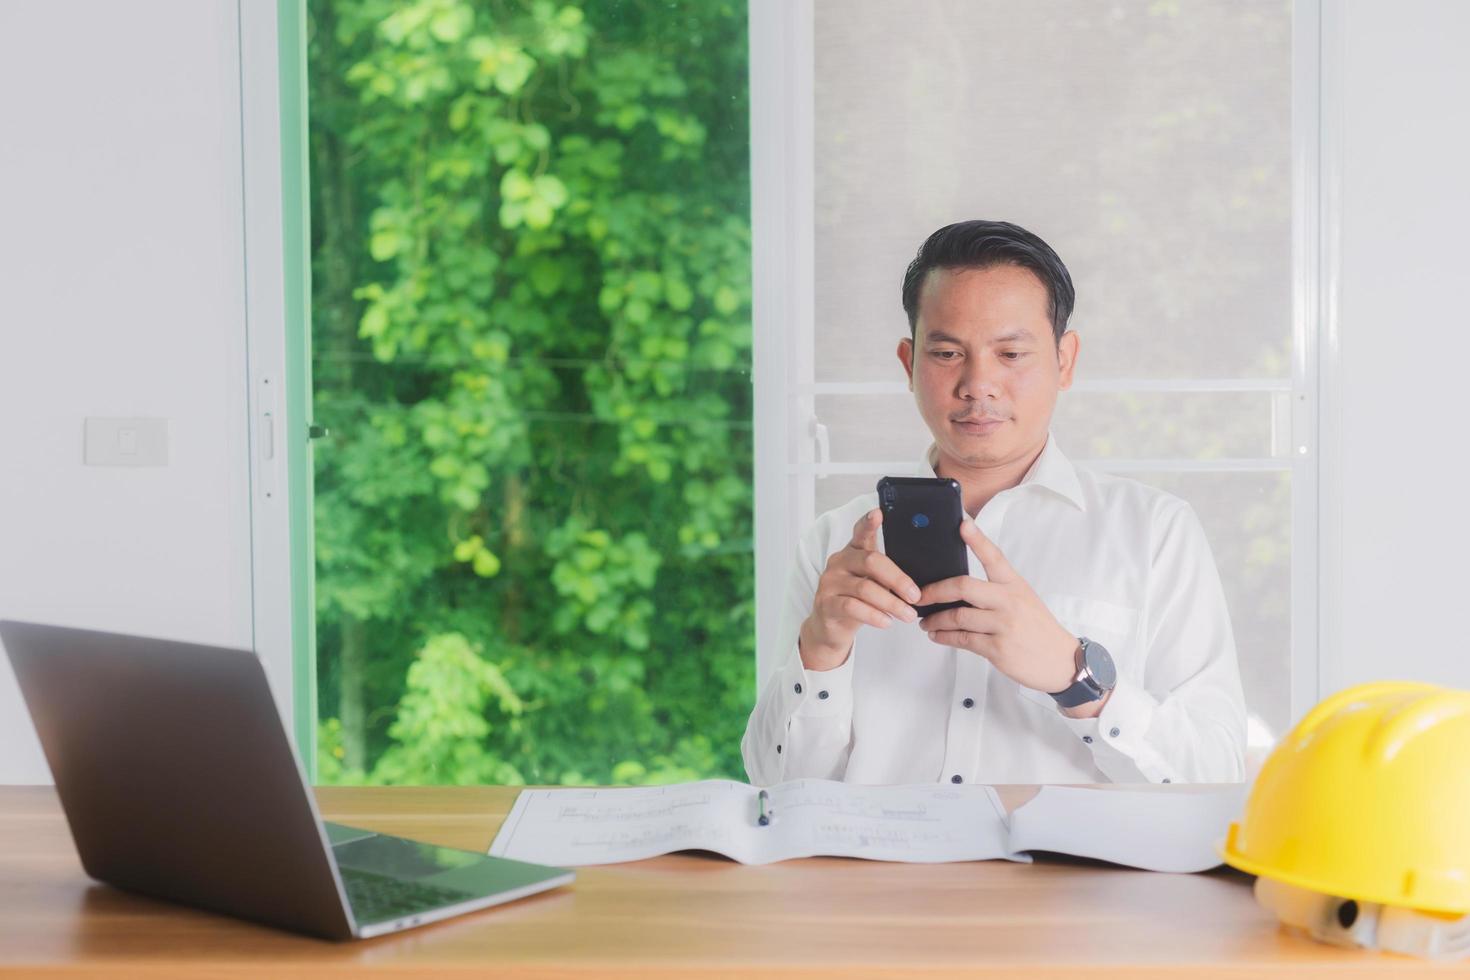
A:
[946,355]
[1013,355]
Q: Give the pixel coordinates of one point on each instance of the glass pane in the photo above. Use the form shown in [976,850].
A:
[1148,142]
[531,305]
[1151,144]
[1247,517]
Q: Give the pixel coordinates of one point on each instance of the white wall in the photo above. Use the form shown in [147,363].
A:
[1405,342]
[121,284]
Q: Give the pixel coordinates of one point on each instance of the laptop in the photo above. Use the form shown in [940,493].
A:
[178,782]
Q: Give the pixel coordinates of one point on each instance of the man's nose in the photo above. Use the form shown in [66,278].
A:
[978,380]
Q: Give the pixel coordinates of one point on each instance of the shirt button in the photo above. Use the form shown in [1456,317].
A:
[1168,780]
[968,702]
[821,695]
[1087,739]
[778,750]
[1113,732]
[798,689]
[956,778]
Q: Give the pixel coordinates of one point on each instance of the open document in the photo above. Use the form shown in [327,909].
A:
[1161,829]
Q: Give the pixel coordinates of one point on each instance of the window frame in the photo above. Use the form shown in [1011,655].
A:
[277,302]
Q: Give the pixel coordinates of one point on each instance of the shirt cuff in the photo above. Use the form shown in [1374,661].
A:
[816,693]
[1119,735]
[795,730]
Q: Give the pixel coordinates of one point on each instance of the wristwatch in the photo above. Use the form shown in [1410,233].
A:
[1096,675]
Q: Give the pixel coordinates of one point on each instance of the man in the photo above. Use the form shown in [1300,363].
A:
[1096,645]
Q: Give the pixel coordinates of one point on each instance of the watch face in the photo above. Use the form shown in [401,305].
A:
[1099,664]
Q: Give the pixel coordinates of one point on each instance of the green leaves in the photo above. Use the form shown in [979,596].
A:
[484,561]
[445,715]
[603,581]
[533,338]
[449,23]
[516,186]
[413,24]
[391,233]
[564,31]
[500,62]
[727,301]
[532,200]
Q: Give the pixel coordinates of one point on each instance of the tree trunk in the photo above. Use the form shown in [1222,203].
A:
[351,706]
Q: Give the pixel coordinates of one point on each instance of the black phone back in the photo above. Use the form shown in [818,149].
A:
[921,530]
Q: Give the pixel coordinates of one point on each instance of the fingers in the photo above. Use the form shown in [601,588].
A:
[997,568]
[857,600]
[865,531]
[967,620]
[881,569]
[881,599]
[965,640]
[843,610]
[861,586]
[866,561]
[963,588]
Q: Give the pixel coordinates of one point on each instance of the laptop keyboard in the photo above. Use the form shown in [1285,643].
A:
[376,897]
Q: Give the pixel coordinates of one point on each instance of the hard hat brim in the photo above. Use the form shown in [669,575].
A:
[1240,862]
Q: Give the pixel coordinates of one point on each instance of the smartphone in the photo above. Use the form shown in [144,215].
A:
[921,530]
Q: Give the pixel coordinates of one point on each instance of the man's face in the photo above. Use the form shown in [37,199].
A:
[983,366]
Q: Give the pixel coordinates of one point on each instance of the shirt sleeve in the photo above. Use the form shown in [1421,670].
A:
[1186,721]
[801,726]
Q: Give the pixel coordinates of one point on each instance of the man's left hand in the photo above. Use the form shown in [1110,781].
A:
[1008,625]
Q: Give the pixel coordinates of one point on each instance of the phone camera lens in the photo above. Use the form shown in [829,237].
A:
[921,520]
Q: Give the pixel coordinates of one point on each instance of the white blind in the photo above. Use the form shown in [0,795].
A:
[1150,142]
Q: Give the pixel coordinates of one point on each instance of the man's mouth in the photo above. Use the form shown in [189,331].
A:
[977,424]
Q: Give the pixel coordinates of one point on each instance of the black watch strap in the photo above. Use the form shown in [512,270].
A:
[1080,692]
[1083,689]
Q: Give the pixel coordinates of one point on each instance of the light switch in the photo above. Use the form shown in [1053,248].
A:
[125,442]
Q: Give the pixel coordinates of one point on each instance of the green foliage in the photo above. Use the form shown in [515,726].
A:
[532,324]
[443,727]
[603,582]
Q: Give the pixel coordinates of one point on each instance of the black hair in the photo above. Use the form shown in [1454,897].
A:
[984,245]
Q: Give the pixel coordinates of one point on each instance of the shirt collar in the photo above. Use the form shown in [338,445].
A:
[1052,471]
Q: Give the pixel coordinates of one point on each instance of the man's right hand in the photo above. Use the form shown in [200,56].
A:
[861,585]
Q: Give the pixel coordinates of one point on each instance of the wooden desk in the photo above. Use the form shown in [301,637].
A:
[674,916]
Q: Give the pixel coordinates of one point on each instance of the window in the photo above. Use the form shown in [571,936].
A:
[531,345]
[564,473]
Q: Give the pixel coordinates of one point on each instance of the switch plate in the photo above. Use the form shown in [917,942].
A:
[125,442]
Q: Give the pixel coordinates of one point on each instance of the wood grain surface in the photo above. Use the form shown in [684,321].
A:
[675,916]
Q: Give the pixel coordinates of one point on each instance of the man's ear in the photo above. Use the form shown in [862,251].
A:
[1067,357]
[906,358]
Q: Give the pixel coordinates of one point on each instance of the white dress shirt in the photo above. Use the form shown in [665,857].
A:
[1114,560]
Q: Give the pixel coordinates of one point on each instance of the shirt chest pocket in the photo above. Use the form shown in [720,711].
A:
[1112,625]
[1094,619]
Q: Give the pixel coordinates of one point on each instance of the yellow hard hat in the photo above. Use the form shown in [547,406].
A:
[1367,798]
